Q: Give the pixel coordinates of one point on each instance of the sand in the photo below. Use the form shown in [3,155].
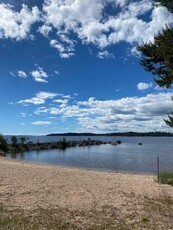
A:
[29,186]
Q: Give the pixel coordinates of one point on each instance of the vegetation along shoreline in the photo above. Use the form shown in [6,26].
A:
[19,145]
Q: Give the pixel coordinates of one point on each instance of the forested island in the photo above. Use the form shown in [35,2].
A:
[128,134]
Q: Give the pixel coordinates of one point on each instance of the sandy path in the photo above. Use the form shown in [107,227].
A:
[31,186]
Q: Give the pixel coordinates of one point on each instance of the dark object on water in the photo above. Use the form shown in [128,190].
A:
[139,143]
[113,143]
[116,143]
[119,142]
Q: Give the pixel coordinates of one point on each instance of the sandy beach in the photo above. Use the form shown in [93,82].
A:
[84,198]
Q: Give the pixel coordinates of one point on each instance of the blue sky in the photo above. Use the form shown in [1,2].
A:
[72,66]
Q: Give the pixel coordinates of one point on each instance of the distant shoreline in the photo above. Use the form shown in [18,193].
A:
[127,134]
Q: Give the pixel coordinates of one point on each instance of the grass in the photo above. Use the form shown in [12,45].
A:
[166,178]
[36,220]
[57,219]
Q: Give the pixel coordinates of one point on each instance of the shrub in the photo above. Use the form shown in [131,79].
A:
[62,144]
[14,140]
[3,143]
[22,139]
[166,178]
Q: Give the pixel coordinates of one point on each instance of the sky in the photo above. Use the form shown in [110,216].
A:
[73,66]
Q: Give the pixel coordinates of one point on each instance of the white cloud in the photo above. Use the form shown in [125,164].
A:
[41,123]
[17,25]
[144,86]
[65,51]
[23,114]
[131,113]
[127,22]
[62,102]
[92,26]
[56,72]
[105,54]
[135,52]
[12,74]
[40,98]
[22,74]
[45,30]
[39,75]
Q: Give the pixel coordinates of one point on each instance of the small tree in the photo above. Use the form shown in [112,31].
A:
[22,139]
[14,140]
[3,143]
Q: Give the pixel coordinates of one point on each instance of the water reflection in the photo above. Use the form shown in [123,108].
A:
[128,156]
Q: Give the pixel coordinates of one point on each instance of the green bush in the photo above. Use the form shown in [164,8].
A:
[166,178]
[22,139]
[62,144]
[3,143]
[14,140]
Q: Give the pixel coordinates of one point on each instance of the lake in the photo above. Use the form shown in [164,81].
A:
[126,157]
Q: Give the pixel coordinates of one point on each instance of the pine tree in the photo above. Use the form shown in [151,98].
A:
[157,57]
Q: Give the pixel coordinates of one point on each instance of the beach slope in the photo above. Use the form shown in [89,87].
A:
[86,199]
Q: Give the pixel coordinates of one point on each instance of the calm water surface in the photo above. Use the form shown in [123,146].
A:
[128,156]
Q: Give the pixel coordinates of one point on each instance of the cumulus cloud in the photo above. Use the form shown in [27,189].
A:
[22,74]
[40,98]
[64,51]
[45,30]
[41,123]
[39,75]
[92,25]
[131,113]
[96,25]
[144,86]
[17,25]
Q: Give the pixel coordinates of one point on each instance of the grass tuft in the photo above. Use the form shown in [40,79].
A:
[166,178]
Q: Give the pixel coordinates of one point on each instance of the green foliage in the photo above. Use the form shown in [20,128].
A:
[166,178]
[157,57]
[169,121]
[62,144]
[14,140]
[3,143]
[22,139]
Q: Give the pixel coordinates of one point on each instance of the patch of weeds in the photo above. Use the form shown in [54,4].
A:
[166,178]
[36,220]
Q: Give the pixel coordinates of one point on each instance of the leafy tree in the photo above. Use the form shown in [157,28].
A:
[22,139]
[3,143]
[14,140]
